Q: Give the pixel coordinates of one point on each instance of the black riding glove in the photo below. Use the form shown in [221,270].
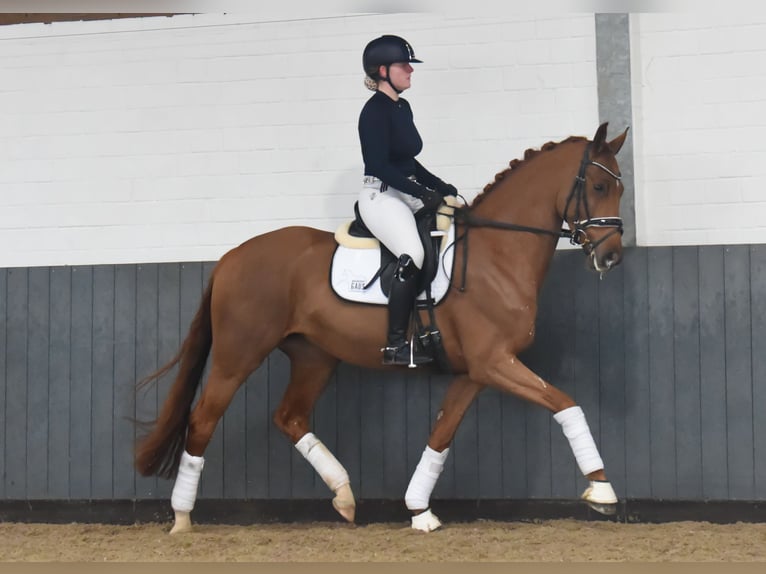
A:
[431,199]
[448,189]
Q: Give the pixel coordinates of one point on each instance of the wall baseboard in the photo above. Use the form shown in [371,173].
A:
[244,512]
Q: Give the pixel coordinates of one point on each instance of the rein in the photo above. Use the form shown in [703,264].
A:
[577,234]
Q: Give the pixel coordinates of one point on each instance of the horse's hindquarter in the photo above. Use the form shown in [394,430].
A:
[277,284]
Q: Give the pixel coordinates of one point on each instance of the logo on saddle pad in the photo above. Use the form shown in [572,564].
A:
[356,263]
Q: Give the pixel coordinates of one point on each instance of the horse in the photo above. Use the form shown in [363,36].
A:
[272,291]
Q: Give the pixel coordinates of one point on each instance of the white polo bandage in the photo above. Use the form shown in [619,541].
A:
[323,461]
[572,421]
[424,478]
[185,488]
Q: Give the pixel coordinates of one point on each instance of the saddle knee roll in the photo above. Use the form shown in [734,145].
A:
[405,268]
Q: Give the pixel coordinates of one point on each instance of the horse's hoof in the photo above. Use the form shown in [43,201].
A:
[344,502]
[600,497]
[426,521]
[605,509]
[182,523]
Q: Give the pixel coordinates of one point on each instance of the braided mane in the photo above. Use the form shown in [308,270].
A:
[516,163]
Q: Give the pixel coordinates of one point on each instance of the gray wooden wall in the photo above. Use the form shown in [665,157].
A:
[666,355]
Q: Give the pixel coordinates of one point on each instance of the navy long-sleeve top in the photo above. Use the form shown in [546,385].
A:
[390,141]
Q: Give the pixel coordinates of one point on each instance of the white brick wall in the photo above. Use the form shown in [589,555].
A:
[700,117]
[175,139]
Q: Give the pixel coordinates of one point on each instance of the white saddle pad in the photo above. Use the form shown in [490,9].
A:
[351,269]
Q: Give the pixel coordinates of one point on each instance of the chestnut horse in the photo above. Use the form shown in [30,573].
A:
[272,292]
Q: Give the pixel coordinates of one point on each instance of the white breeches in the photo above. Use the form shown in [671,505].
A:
[389,216]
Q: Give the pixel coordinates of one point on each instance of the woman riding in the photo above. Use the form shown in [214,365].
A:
[396,185]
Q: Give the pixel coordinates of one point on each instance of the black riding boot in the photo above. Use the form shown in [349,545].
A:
[398,350]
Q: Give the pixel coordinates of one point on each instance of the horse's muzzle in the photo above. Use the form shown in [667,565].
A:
[606,261]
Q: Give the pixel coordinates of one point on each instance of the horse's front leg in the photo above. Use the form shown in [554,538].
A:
[507,373]
[460,394]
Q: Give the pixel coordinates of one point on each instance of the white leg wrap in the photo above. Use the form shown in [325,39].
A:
[424,478]
[323,461]
[185,488]
[572,421]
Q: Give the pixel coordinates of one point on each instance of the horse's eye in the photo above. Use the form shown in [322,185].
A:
[600,187]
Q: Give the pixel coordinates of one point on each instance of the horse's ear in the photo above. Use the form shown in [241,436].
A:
[599,140]
[616,144]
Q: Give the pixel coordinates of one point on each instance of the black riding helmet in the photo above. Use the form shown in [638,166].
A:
[384,51]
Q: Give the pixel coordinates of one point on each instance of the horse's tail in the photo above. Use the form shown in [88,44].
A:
[159,452]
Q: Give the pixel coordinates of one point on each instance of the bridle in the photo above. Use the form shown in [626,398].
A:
[577,233]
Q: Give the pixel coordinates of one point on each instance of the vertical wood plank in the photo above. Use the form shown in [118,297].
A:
[81,360]
[16,389]
[557,361]
[147,300]
[758,338]
[371,413]
[394,432]
[124,476]
[169,339]
[62,392]
[280,448]
[38,324]
[489,444]
[587,350]
[514,429]
[661,374]
[638,482]
[465,449]
[715,481]
[258,430]
[102,417]
[686,337]
[739,383]
[349,380]
[3,379]
[612,378]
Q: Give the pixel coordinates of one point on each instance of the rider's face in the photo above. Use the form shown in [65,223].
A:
[400,74]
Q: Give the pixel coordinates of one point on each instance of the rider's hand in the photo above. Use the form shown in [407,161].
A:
[431,199]
[448,189]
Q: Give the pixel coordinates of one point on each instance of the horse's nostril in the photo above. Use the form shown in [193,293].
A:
[612,259]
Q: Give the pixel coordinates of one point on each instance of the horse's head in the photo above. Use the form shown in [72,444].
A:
[592,208]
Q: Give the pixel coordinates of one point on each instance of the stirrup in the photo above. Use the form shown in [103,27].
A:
[404,354]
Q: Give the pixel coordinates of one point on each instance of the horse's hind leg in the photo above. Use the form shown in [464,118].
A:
[310,369]
[460,394]
[222,383]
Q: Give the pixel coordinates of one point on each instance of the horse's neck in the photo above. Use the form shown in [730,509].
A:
[528,198]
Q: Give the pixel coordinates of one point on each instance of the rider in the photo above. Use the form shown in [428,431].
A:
[396,185]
